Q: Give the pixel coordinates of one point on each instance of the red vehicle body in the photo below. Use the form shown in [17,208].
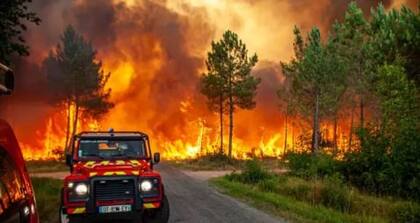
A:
[17,200]
[112,177]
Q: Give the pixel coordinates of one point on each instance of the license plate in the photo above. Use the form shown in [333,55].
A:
[115,209]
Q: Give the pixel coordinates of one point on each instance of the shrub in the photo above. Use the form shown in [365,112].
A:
[235,177]
[407,212]
[388,159]
[326,165]
[334,194]
[254,172]
[307,164]
[268,185]
[302,192]
[300,163]
[212,161]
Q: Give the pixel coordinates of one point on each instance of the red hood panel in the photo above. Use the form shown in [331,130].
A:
[111,167]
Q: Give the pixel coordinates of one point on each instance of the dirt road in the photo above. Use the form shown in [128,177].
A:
[192,200]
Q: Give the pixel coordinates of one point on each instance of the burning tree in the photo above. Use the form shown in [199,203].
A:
[77,80]
[229,83]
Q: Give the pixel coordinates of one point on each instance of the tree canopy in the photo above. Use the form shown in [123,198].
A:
[76,79]
[14,15]
[229,84]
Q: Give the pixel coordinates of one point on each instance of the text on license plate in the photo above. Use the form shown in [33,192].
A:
[115,209]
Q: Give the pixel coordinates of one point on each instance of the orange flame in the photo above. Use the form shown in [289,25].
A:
[155,60]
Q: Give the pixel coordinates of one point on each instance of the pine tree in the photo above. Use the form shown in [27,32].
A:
[317,79]
[77,80]
[229,84]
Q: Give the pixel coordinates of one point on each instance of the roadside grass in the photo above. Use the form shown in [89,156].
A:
[47,192]
[284,206]
[313,200]
[46,166]
[219,162]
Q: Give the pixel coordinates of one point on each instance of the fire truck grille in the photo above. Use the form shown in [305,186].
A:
[105,190]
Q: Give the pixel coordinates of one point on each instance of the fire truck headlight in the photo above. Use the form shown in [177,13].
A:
[81,189]
[146,186]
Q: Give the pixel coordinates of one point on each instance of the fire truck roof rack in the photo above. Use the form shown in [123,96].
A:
[111,134]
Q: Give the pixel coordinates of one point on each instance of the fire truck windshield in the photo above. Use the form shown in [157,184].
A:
[109,149]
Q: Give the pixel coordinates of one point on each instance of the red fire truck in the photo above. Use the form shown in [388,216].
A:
[17,200]
[112,177]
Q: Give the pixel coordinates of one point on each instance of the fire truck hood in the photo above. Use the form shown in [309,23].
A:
[111,167]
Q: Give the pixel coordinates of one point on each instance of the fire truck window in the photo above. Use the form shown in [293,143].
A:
[112,148]
[11,183]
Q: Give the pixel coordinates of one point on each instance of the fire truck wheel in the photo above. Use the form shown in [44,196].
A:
[160,215]
[63,217]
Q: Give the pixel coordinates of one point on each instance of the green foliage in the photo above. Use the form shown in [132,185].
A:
[315,76]
[47,192]
[398,104]
[75,78]
[14,18]
[228,84]
[388,160]
[308,165]
[300,200]
[406,212]
[367,168]
[335,194]
[268,185]
[74,75]
[374,63]
[46,166]
[254,172]
[297,189]
[210,161]
[396,39]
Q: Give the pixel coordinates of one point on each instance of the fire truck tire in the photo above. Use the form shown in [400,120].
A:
[62,215]
[64,218]
[160,215]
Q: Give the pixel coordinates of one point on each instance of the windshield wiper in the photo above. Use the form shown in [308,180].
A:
[126,156]
[94,155]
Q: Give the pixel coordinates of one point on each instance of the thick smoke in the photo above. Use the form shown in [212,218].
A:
[156,52]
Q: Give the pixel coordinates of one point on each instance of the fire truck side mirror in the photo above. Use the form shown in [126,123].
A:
[69,160]
[156,158]
[7,80]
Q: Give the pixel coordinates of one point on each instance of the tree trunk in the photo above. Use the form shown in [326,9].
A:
[335,133]
[230,125]
[66,145]
[362,112]
[75,120]
[315,131]
[285,134]
[351,128]
[362,121]
[293,138]
[230,116]
[221,124]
